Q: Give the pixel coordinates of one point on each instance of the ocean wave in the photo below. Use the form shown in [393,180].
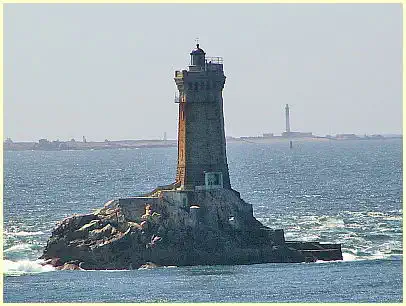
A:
[372,253]
[25,266]
[397,218]
[349,257]
[377,236]
[383,216]
[19,248]
[331,222]
[23,233]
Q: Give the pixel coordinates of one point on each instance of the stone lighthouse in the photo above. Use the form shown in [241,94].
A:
[198,220]
[202,160]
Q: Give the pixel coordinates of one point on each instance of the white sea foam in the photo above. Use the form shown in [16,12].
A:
[398,218]
[24,233]
[349,257]
[331,222]
[18,248]
[310,237]
[25,266]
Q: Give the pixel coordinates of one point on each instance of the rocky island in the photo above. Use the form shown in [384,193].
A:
[199,219]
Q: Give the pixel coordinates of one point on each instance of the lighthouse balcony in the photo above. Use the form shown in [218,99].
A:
[211,64]
[214,60]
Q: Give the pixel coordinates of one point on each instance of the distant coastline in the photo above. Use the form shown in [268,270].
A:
[56,145]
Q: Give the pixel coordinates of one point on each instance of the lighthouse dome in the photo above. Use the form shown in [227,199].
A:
[197,50]
[197,57]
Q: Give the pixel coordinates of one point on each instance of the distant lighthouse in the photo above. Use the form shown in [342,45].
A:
[287,119]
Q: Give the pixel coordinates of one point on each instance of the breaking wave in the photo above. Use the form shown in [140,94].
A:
[25,267]
[23,233]
[367,235]
[18,248]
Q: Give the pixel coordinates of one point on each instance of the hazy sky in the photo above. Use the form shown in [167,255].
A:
[106,70]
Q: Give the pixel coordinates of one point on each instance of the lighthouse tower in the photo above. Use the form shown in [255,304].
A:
[202,160]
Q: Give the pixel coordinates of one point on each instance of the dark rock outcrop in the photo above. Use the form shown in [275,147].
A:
[170,228]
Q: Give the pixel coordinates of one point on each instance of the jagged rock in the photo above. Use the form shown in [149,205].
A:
[148,265]
[70,266]
[90,226]
[55,262]
[173,228]
[106,231]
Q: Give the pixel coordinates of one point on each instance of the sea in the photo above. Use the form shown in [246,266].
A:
[347,192]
